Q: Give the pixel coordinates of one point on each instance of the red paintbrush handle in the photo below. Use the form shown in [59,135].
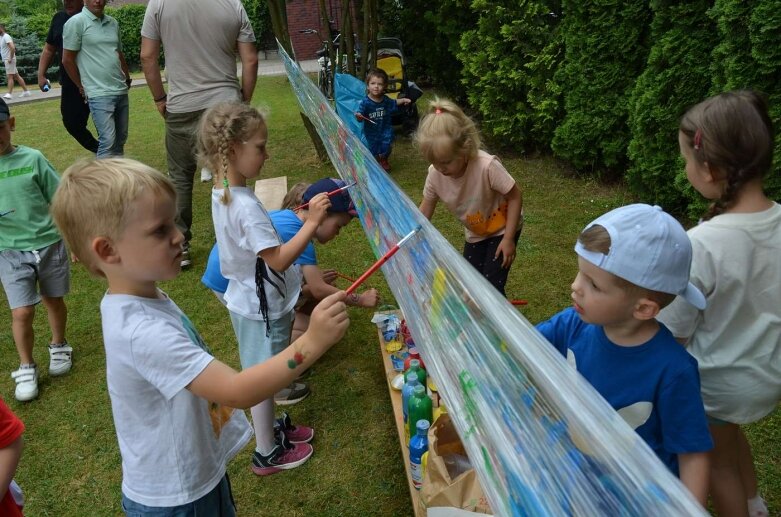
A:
[372,269]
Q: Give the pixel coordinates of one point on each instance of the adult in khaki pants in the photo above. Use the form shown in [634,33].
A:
[200,41]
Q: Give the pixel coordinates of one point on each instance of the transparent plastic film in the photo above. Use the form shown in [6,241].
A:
[542,440]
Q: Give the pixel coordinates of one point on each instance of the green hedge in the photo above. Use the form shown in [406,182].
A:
[130,18]
[601,83]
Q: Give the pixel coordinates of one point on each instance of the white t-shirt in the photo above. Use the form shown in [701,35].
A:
[174,445]
[5,50]
[243,229]
[199,40]
[737,338]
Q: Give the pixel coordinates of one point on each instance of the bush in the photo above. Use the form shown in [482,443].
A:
[676,76]
[749,56]
[606,50]
[509,61]
[130,18]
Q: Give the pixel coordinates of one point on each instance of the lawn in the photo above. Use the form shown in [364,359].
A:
[71,463]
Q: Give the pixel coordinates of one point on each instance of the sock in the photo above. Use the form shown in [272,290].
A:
[263,422]
[27,365]
[57,345]
[757,507]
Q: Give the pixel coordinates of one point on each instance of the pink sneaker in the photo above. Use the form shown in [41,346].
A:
[281,458]
[294,433]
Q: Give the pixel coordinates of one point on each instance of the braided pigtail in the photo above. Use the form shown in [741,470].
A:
[221,127]
[732,133]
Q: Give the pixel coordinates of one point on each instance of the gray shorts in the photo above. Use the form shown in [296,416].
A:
[25,273]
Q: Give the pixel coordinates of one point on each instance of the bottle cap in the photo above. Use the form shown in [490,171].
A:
[422,425]
[419,390]
[412,378]
[414,363]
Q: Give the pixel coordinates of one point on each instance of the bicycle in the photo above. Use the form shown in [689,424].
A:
[325,76]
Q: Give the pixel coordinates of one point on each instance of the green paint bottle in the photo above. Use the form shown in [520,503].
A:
[414,366]
[419,409]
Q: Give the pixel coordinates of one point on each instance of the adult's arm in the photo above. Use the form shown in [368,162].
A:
[11,50]
[69,62]
[44,62]
[248,53]
[123,65]
[150,49]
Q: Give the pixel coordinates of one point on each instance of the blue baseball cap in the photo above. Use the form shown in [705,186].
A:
[648,248]
[340,202]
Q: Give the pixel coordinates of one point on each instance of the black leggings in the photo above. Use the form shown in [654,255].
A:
[75,113]
[481,256]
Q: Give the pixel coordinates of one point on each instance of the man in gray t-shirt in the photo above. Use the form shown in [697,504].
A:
[200,40]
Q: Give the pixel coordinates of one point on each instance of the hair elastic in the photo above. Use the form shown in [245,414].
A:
[698,140]
[438,111]
[225,182]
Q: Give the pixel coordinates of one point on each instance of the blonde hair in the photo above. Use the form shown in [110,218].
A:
[446,131]
[596,238]
[95,198]
[222,126]
[295,196]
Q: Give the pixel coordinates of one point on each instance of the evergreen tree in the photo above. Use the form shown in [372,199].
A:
[605,51]
[677,76]
[509,61]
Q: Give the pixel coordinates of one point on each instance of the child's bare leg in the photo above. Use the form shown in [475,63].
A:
[22,329]
[726,485]
[263,422]
[300,324]
[747,472]
[57,313]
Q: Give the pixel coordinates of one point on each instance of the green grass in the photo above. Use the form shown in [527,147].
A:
[71,464]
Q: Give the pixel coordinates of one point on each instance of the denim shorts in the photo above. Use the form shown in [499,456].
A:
[218,503]
[254,346]
[25,273]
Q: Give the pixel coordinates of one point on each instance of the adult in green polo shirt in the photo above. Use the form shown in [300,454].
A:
[92,56]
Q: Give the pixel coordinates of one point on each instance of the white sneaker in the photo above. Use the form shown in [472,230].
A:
[60,359]
[26,378]
[206,175]
[7,96]
[25,93]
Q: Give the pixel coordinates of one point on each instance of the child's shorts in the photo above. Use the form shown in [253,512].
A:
[254,346]
[47,268]
[217,502]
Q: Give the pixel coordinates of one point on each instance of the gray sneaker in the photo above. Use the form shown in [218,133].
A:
[294,393]
[60,359]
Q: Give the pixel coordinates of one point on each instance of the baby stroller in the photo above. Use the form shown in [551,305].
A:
[390,57]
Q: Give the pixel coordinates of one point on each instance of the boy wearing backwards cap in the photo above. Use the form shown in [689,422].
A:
[34,264]
[632,262]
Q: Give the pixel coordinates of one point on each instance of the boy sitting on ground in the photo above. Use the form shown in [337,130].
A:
[171,400]
[632,262]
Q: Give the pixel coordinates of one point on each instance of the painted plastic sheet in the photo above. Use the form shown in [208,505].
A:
[541,438]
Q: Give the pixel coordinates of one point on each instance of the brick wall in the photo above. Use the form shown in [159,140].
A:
[304,14]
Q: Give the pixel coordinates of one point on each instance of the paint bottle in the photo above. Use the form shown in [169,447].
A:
[406,393]
[414,366]
[419,408]
[413,354]
[418,445]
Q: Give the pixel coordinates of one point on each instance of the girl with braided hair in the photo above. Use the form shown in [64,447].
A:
[727,144]
[263,290]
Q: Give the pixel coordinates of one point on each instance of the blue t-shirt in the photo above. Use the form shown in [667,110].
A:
[287,224]
[655,386]
[379,135]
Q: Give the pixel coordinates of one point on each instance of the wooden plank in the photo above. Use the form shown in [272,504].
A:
[398,415]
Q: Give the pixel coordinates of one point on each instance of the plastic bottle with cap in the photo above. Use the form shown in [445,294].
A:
[406,393]
[47,86]
[418,445]
[419,408]
[414,354]
[414,366]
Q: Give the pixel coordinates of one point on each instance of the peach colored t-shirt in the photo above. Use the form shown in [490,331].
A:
[476,198]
